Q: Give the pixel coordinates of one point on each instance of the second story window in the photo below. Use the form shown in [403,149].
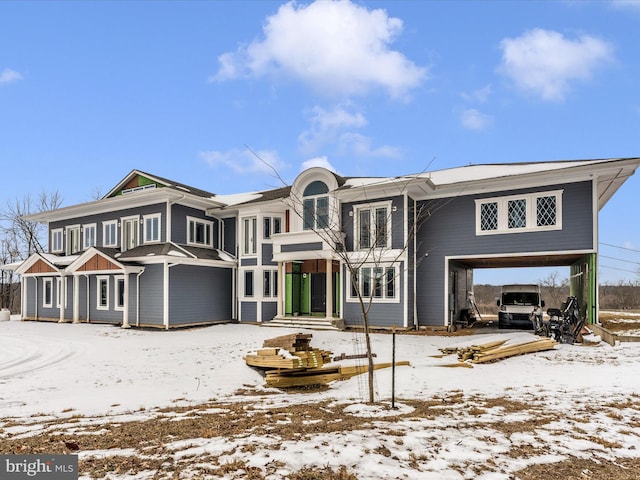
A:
[89,236]
[151,228]
[130,233]
[57,237]
[110,234]
[271,226]
[199,232]
[315,206]
[73,239]
[250,236]
[373,226]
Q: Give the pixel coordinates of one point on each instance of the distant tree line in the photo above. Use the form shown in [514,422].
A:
[623,295]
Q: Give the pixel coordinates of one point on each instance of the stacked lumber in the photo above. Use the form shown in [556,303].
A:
[319,376]
[493,351]
[288,352]
[290,361]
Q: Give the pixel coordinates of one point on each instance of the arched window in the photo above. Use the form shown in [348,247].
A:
[315,206]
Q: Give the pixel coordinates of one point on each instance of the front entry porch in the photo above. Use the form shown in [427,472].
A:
[311,295]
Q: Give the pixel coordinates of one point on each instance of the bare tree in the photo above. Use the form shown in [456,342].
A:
[373,262]
[21,237]
[555,288]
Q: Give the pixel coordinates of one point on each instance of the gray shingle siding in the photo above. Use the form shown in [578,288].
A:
[114,215]
[301,247]
[179,214]
[269,310]
[249,311]
[267,254]
[199,294]
[451,231]
[151,295]
[230,236]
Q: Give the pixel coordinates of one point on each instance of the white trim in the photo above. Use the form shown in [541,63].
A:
[151,217]
[372,207]
[502,204]
[88,227]
[69,247]
[57,244]
[249,237]
[61,292]
[116,280]
[396,266]
[123,220]
[207,224]
[105,225]
[45,281]
[99,280]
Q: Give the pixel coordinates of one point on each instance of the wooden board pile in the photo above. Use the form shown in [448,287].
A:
[494,351]
[290,361]
[288,351]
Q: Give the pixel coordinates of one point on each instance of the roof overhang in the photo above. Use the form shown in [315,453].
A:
[131,200]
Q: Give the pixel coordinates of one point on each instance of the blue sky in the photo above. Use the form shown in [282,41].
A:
[91,90]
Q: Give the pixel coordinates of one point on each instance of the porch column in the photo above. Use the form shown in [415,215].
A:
[23,297]
[125,310]
[62,294]
[76,299]
[329,294]
[280,287]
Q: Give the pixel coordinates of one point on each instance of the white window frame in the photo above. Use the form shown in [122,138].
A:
[57,240]
[99,280]
[372,207]
[253,284]
[123,230]
[88,228]
[59,291]
[117,279]
[271,230]
[394,268]
[249,236]
[531,212]
[45,282]
[152,218]
[106,226]
[71,232]
[207,224]
[272,277]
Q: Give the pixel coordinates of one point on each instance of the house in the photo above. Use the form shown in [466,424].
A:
[157,253]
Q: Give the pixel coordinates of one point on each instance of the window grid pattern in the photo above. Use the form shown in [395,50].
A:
[546,211]
[517,213]
[489,216]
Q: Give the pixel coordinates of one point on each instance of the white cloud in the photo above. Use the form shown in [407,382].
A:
[336,47]
[9,76]
[351,143]
[244,161]
[480,95]
[545,63]
[318,162]
[326,126]
[475,120]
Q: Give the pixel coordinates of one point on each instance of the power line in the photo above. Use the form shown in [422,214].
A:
[619,259]
[620,269]
[618,246]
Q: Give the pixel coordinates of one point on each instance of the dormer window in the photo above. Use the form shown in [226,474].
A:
[315,204]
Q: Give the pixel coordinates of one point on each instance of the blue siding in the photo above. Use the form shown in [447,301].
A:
[151,296]
[397,220]
[248,262]
[179,214]
[230,236]
[267,254]
[380,314]
[107,316]
[199,294]
[451,231]
[269,310]
[249,311]
[114,215]
[301,247]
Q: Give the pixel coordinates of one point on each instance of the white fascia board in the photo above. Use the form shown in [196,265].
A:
[121,202]
[171,260]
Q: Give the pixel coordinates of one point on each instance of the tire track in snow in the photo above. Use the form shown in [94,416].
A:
[20,355]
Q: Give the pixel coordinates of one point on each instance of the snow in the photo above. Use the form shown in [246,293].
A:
[93,372]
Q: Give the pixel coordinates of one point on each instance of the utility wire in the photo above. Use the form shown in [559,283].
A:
[618,246]
[619,259]
[620,269]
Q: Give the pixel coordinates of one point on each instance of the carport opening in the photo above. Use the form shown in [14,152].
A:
[475,284]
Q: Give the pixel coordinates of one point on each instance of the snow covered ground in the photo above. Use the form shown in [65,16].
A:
[93,374]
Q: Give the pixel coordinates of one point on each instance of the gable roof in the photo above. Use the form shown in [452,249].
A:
[140,179]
